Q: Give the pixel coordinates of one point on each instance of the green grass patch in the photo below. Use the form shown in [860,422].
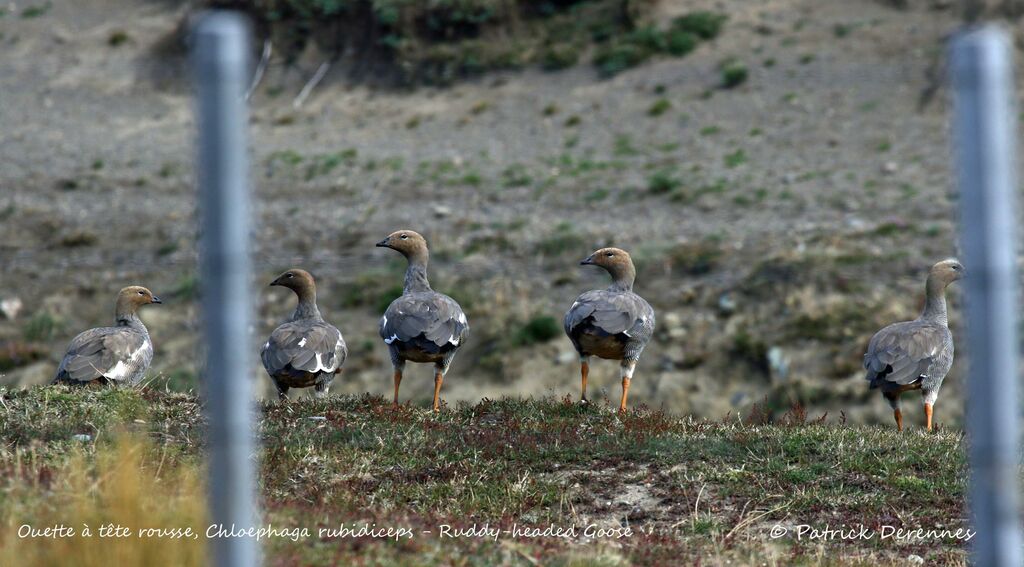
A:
[42,327]
[538,329]
[735,159]
[663,182]
[705,25]
[734,73]
[660,106]
[639,45]
[366,291]
[516,175]
[597,195]
[560,56]
[36,10]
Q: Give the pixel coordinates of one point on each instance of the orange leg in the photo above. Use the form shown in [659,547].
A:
[928,415]
[438,380]
[899,418]
[398,382]
[627,375]
[584,371]
[625,393]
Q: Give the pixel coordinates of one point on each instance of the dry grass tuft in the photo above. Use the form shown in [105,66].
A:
[115,488]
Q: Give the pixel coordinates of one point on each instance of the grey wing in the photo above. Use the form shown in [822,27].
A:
[903,352]
[613,313]
[435,316]
[317,347]
[643,324]
[582,308]
[108,352]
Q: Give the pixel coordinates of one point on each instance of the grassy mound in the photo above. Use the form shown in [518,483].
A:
[441,41]
[639,488]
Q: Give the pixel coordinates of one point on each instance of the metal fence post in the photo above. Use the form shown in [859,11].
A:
[221,63]
[984,136]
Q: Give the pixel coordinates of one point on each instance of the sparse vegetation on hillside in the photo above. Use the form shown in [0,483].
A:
[688,490]
[744,213]
[640,44]
[439,42]
[539,329]
[734,74]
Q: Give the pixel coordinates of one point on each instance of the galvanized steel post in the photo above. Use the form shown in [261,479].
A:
[221,65]
[984,127]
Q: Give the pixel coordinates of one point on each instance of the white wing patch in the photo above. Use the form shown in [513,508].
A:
[320,366]
[117,372]
[462,318]
[302,343]
[643,321]
[120,370]
[391,340]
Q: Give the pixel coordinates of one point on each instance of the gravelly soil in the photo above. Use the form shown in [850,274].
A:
[807,205]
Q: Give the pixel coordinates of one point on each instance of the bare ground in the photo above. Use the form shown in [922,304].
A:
[806,207]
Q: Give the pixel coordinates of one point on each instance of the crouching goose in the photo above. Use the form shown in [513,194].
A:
[614,323]
[916,355]
[112,355]
[305,350]
[422,325]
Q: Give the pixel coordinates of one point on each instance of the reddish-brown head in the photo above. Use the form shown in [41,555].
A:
[298,280]
[132,297]
[410,243]
[615,260]
[947,272]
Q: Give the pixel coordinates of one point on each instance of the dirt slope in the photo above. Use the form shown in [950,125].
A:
[776,224]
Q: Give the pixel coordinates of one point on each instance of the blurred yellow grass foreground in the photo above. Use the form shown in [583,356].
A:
[116,509]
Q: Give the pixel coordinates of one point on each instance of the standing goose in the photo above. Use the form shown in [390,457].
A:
[422,325]
[613,323]
[305,350]
[112,355]
[916,355]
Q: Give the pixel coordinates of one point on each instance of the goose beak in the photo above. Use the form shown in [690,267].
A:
[589,261]
[156,300]
[384,243]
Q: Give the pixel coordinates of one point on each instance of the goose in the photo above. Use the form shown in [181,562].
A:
[112,355]
[421,325]
[305,350]
[613,323]
[916,355]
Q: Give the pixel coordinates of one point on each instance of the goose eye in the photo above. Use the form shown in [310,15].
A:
[291,275]
[610,254]
[142,293]
[405,237]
